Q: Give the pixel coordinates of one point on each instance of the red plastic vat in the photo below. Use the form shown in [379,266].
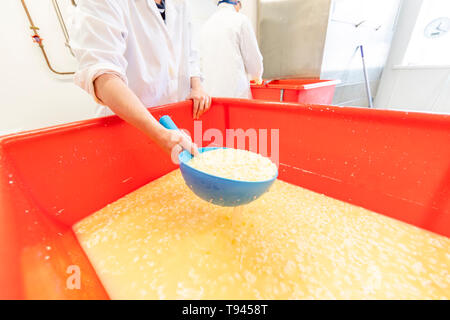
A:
[394,163]
[311,91]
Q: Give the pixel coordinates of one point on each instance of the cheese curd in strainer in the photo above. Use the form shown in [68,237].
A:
[235,164]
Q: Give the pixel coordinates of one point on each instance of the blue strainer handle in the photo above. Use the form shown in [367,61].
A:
[168,123]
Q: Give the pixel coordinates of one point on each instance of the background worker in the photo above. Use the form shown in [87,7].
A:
[229,52]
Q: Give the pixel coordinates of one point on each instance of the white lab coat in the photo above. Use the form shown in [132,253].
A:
[130,39]
[229,54]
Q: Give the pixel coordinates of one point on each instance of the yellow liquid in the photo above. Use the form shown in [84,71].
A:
[162,242]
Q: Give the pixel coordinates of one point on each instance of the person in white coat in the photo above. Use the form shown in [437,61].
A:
[229,52]
[135,54]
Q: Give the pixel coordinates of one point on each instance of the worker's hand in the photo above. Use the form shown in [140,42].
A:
[258,81]
[202,102]
[175,141]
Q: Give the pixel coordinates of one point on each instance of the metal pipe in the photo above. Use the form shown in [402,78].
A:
[37,38]
[366,78]
[63,25]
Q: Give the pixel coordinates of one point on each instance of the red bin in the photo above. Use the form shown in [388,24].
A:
[392,162]
[308,91]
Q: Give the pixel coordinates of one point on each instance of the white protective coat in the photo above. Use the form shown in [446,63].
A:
[129,38]
[229,54]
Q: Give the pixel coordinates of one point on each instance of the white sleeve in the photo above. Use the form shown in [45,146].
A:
[98,41]
[250,52]
[194,57]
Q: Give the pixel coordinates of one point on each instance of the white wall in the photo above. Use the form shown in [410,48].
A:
[423,50]
[417,88]
[33,97]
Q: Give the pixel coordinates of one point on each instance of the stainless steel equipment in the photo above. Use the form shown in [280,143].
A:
[321,39]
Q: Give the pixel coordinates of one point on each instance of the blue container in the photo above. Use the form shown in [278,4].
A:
[219,191]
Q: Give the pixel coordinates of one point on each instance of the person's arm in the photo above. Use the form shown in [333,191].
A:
[113,92]
[201,99]
[99,42]
[253,59]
